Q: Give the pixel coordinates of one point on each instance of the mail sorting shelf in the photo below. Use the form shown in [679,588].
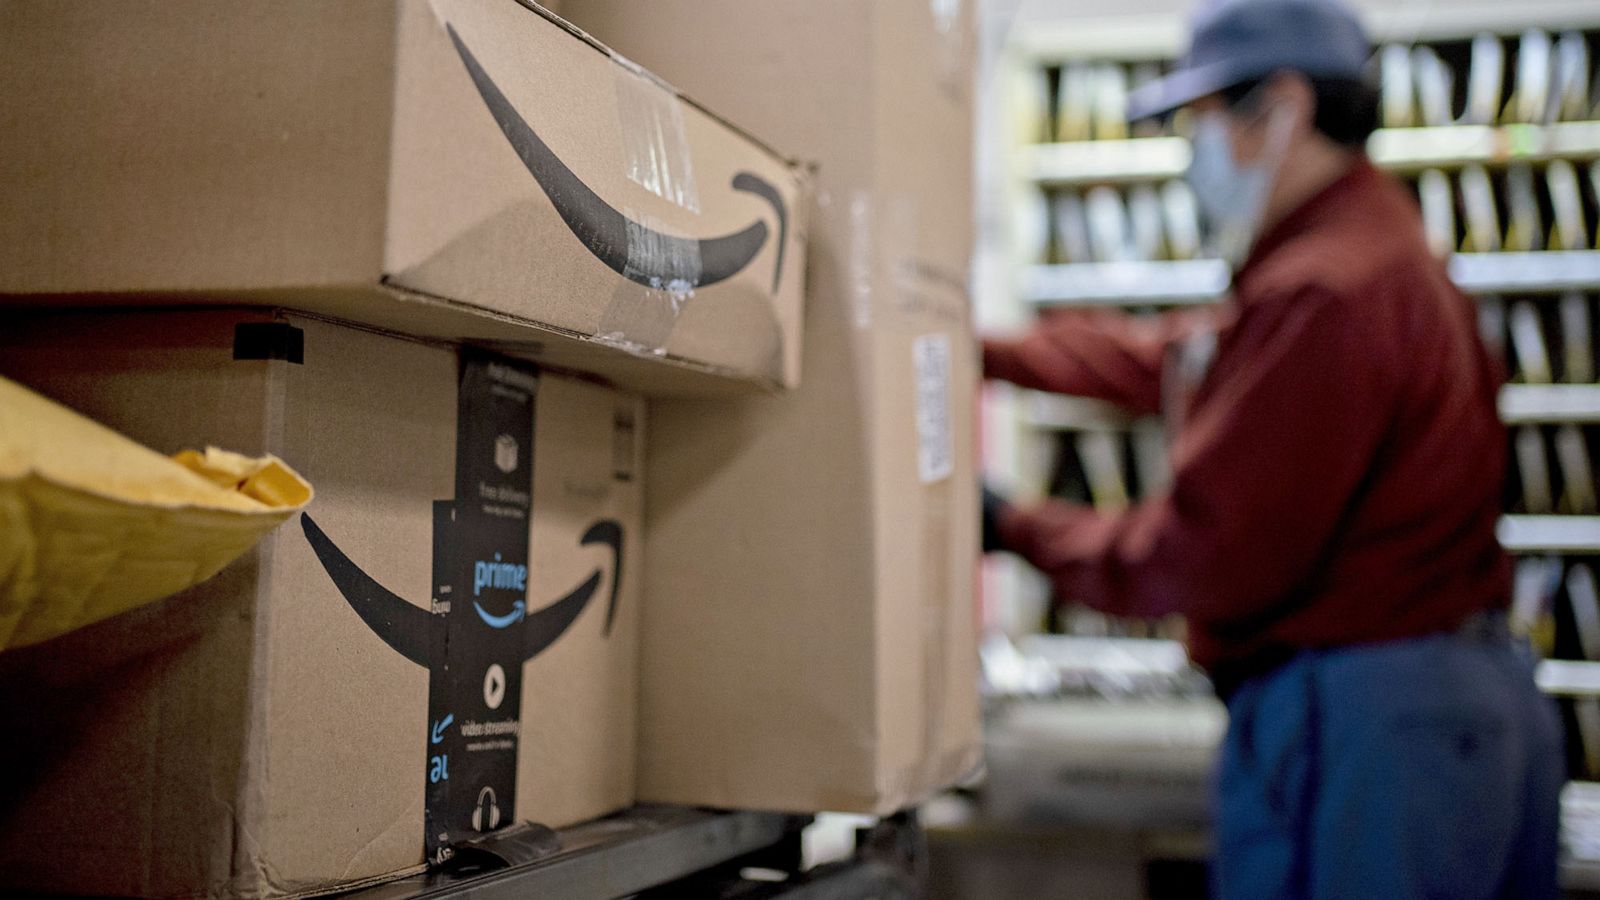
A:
[1165,283]
[652,852]
[1409,150]
[1487,109]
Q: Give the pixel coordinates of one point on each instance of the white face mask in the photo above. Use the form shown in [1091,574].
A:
[1233,197]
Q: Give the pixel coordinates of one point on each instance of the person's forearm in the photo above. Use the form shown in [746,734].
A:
[1107,356]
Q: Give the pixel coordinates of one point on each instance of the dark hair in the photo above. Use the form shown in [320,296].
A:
[1347,108]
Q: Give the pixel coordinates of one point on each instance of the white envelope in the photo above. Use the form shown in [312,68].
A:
[1109,233]
[1181,212]
[1438,211]
[1398,87]
[1566,200]
[1100,452]
[1577,339]
[1531,97]
[1075,103]
[1145,218]
[1072,228]
[1528,343]
[1571,89]
[1533,466]
[1483,216]
[1435,87]
[1525,230]
[1110,121]
[1577,473]
[1486,81]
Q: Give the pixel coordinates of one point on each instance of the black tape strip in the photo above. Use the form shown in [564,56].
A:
[444,738]
[477,630]
[269,340]
[475,695]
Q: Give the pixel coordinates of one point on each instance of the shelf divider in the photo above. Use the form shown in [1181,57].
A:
[1403,150]
[1528,404]
[1184,282]
[1550,534]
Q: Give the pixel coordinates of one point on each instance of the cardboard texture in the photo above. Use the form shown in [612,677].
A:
[255,736]
[463,169]
[831,663]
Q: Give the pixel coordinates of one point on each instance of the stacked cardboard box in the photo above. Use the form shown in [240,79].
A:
[282,728]
[445,642]
[829,662]
[372,203]
[460,169]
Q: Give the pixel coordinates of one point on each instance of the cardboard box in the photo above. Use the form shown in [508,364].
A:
[282,729]
[832,663]
[463,169]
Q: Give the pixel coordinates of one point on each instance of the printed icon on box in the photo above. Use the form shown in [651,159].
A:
[505,453]
[494,686]
[486,816]
[437,735]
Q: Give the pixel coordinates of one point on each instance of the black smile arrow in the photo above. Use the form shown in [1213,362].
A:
[551,622]
[606,231]
[402,626]
[405,627]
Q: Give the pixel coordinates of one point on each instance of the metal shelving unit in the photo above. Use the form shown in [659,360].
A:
[662,852]
[1199,281]
[1561,535]
[1537,404]
[1568,678]
[1166,283]
[1403,150]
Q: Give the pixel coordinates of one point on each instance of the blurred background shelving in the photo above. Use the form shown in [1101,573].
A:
[1491,114]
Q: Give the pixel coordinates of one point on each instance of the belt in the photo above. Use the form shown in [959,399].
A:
[1490,626]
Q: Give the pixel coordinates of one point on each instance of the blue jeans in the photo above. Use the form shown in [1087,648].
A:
[1419,768]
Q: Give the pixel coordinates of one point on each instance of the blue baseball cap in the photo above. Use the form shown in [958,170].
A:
[1235,41]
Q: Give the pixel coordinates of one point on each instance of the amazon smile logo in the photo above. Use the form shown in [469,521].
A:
[499,576]
[607,232]
[408,628]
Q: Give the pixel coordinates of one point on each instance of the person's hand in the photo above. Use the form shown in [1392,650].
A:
[994,508]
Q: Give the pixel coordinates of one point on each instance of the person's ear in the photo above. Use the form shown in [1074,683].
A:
[1284,94]
[1291,94]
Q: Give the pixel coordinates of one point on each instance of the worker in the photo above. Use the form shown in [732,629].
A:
[1337,467]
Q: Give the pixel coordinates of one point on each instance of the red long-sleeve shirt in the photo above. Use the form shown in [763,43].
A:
[1337,474]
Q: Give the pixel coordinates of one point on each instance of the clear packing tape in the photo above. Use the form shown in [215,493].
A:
[666,266]
[662,269]
[93,524]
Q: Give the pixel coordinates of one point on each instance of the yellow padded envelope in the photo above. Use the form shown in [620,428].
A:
[93,524]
